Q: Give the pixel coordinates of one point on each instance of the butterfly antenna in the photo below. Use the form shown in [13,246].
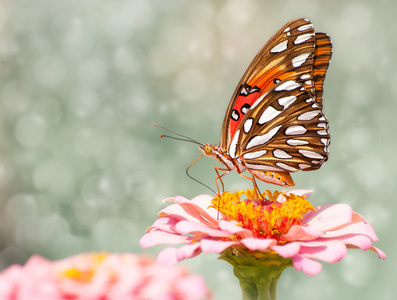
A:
[178,139]
[203,184]
[185,138]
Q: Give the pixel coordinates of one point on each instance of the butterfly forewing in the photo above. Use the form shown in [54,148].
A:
[288,133]
[288,55]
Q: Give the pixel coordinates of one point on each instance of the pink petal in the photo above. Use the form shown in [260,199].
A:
[309,266]
[167,257]
[329,216]
[204,201]
[234,229]
[186,227]
[194,288]
[358,241]
[10,279]
[170,256]
[287,250]
[176,212]
[258,244]
[353,228]
[216,246]
[165,224]
[298,233]
[380,253]
[188,251]
[331,252]
[158,237]
[197,212]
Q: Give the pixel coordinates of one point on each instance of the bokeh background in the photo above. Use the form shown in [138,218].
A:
[81,169]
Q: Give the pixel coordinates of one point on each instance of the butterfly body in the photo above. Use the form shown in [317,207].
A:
[238,165]
[274,124]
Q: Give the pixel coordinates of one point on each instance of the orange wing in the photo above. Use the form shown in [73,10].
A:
[295,52]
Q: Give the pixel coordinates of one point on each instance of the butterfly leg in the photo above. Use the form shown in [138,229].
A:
[219,177]
[254,183]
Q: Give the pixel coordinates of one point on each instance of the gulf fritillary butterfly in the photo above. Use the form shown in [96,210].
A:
[274,124]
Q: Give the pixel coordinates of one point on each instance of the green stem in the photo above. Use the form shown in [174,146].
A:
[258,272]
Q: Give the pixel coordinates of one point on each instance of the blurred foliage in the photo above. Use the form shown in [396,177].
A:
[81,169]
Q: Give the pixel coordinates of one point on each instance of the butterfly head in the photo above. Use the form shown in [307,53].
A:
[207,149]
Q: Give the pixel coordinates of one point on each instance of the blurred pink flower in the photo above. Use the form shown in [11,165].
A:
[99,276]
[284,223]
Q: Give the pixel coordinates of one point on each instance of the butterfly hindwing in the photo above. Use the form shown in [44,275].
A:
[285,131]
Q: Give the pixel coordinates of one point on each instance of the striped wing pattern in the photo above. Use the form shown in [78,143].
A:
[290,133]
[287,55]
[275,121]
[322,56]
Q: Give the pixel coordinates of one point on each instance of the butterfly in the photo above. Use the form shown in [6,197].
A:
[274,124]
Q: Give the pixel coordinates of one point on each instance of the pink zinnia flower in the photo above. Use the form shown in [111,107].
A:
[282,226]
[99,276]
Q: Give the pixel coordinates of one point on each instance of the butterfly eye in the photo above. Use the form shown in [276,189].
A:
[207,149]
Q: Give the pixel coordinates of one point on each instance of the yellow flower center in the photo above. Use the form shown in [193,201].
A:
[84,274]
[266,218]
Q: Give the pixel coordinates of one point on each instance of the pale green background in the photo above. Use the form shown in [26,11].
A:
[81,168]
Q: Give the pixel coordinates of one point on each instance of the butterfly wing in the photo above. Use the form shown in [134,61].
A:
[322,56]
[288,55]
[284,131]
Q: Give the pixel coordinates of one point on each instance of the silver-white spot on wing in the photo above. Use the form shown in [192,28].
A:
[322,125]
[248,125]
[295,130]
[309,82]
[278,153]
[322,118]
[325,141]
[262,139]
[322,132]
[295,142]
[302,38]
[311,154]
[286,101]
[235,115]
[326,144]
[286,167]
[279,47]
[305,76]
[307,116]
[287,86]
[233,145]
[304,166]
[244,110]
[315,105]
[244,91]
[300,59]
[287,29]
[268,114]
[255,154]
[309,100]
[305,27]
